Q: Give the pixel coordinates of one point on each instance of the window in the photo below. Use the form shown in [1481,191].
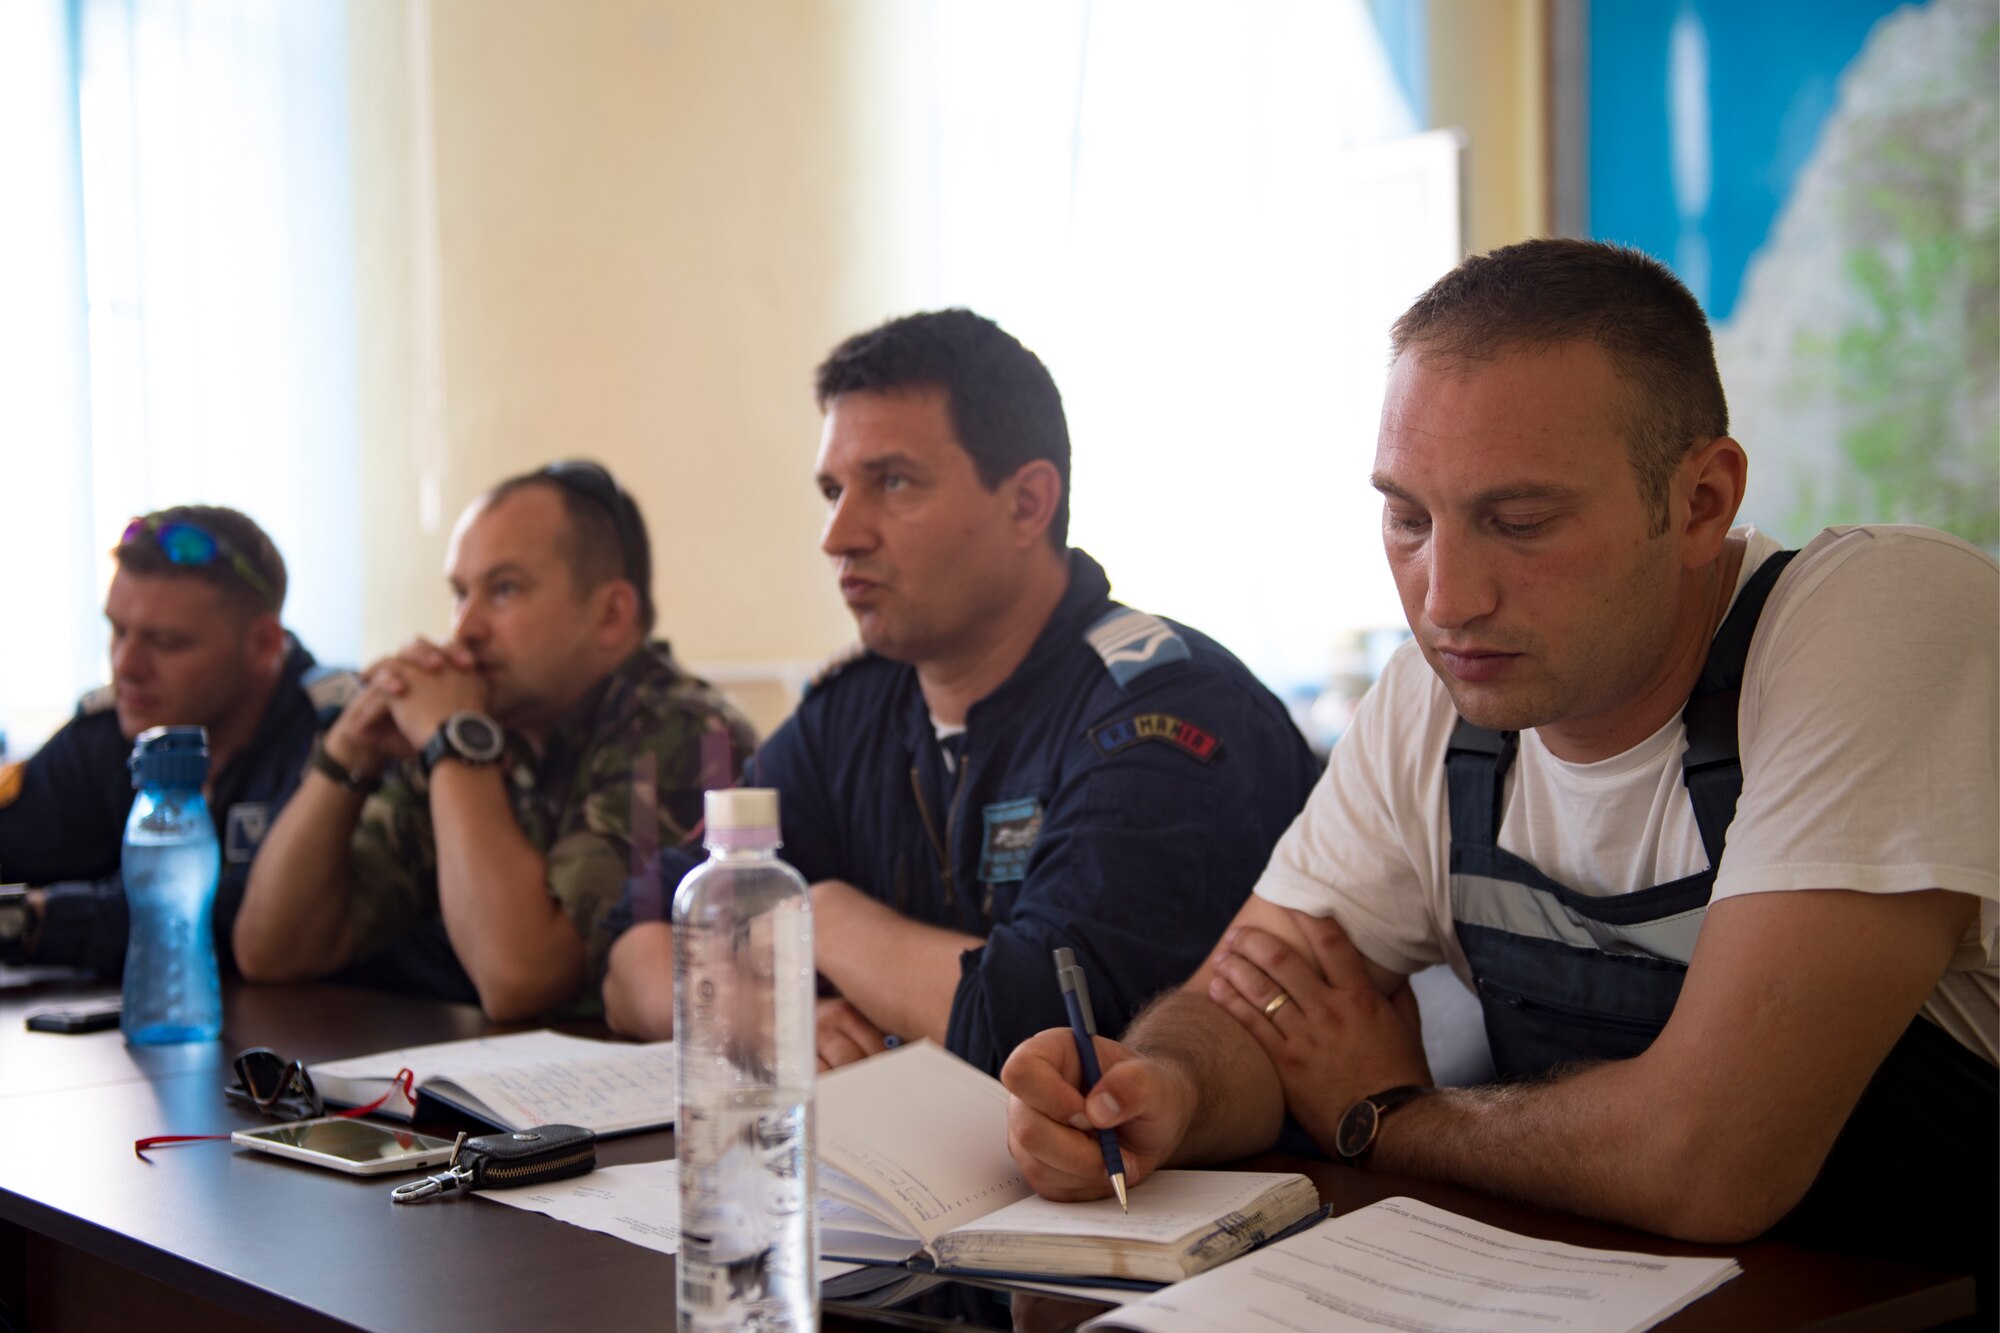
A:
[187,333]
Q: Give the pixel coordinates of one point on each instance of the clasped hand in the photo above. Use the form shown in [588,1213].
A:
[406,698]
[1333,1038]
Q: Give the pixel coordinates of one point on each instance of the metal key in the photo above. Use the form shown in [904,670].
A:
[445,1181]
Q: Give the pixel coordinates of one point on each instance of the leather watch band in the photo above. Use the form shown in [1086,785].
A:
[1355,1135]
[332,769]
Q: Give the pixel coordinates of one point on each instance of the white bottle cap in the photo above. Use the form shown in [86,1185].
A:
[740,808]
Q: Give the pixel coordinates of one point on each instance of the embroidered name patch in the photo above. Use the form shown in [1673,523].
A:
[1011,830]
[1133,643]
[1165,727]
[244,831]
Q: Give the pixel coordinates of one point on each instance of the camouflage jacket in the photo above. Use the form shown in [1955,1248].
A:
[618,781]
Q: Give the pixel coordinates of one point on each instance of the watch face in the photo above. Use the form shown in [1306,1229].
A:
[475,736]
[1356,1130]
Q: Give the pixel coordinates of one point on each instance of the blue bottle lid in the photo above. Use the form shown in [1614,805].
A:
[170,757]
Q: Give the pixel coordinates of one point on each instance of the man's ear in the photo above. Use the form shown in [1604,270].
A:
[618,612]
[1707,491]
[264,642]
[1037,491]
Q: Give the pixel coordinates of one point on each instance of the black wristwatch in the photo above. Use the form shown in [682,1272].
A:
[471,738]
[1355,1134]
[17,923]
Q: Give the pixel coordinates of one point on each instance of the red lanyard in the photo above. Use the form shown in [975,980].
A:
[404,1082]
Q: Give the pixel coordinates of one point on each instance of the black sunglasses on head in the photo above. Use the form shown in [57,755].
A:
[595,483]
[268,1082]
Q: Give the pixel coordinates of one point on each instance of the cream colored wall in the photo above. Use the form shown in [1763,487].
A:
[1489,78]
[623,230]
[628,229]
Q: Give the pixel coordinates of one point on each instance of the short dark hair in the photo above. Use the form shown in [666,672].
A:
[1540,293]
[1004,405]
[237,536]
[607,534]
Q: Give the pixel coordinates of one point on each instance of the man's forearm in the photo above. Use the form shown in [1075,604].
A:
[512,938]
[1597,1142]
[294,923]
[1240,1105]
[639,984]
[854,937]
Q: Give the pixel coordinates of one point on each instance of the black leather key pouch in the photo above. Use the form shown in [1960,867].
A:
[504,1161]
[531,1157]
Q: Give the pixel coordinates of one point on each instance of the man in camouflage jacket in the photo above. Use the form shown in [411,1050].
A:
[470,819]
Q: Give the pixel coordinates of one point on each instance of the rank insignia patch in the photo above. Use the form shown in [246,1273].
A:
[245,828]
[1164,727]
[1011,830]
[1131,643]
[10,783]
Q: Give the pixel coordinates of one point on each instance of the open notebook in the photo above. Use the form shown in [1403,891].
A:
[519,1080]
[913,1167]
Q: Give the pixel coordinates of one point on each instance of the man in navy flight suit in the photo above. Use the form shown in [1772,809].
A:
[195,641]
[1014,762]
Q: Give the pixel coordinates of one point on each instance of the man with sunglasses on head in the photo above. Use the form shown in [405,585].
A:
[196,640]
[471,818]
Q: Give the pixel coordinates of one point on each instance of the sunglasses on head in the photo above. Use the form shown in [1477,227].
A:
[596,484]
[274,1085]
[190,544]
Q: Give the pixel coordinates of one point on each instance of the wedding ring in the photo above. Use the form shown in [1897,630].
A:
[1278,1002]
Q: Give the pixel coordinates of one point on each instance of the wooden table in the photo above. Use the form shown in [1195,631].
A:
[207,1239]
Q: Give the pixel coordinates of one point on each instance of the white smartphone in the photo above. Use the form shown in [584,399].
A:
[357,1147]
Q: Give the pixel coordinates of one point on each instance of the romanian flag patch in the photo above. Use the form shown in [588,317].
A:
[1164,727]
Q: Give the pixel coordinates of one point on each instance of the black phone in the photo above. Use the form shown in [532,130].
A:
[83,1016]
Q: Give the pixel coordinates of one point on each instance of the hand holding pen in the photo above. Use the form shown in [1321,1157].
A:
[1083,1025]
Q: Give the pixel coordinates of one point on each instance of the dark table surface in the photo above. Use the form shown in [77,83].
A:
[297,1246]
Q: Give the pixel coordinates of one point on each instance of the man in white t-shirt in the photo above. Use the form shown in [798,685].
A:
[1697,1041]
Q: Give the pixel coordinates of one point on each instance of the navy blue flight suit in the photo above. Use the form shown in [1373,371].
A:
[64,828]
[1118,794]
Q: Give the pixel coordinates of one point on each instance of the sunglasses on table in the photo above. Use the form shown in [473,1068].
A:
[274,1086]
[190,544]
[269,1084]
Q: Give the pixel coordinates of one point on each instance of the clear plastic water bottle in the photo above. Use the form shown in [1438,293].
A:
[172,990]
[744,1004]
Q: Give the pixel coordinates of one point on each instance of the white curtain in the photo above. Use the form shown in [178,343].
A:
[48,611]
[205,175]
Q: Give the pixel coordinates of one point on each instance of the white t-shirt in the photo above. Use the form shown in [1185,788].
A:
[1868,735]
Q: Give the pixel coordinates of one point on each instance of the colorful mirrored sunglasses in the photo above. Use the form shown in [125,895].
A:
[186,543]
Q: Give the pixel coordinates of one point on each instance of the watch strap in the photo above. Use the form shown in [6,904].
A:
[444,744]
[333,770]
[18,924]
[1386,1102]
[1380,1103]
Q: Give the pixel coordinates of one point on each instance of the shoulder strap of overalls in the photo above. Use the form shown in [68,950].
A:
[1712,766]
[1475,773]
[1477,759]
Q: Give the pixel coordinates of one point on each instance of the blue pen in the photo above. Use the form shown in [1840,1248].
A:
[1076,998]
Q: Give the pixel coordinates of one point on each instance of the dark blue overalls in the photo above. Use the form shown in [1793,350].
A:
[1564,976]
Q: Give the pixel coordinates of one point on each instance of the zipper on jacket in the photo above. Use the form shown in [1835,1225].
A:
[942,844]
[938,844]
